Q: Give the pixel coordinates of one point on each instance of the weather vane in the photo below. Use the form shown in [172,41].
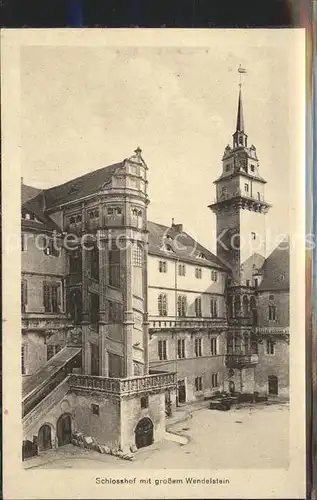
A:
[241,71]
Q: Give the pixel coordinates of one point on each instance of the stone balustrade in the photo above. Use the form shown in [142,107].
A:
[188,323]
[124,386]
[272,330]
[241,360]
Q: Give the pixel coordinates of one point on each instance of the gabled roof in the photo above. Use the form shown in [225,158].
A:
[80,187]
[184,247]
[35,205]
[275,270]
[28,192]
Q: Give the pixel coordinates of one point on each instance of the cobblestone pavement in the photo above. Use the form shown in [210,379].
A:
[244,437]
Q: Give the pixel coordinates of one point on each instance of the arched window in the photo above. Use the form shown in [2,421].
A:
[230,306]
[162,304]
[259,195]
[245,305]
[237,305]
[272,312]
[246,343]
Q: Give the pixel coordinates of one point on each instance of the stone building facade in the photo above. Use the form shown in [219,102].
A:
[124,318]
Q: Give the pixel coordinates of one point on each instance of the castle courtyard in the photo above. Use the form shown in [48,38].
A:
[247,436]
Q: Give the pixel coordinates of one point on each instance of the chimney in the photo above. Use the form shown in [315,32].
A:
[178,227]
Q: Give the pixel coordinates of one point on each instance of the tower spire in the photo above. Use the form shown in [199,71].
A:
[239,137]
[240,118]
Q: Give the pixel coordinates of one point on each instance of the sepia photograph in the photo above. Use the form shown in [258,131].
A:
[160,243]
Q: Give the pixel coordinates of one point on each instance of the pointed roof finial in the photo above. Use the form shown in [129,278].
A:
[138,151]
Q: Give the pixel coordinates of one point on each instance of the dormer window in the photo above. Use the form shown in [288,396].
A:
[246,188]
[253,236]
[169,248]
[202,255]
[252,168]
[228,168]
[93,214]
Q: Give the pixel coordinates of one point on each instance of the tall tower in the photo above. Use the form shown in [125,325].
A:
[240,206]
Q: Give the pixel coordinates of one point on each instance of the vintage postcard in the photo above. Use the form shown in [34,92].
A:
[154,273]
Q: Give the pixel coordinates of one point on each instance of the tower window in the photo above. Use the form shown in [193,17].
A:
[137,255]
[181,348]
[213,346]
[253,236]
[228,168]
[214,275]
[272,312]
[246,188]
[181,305]
[252,168]
[259,196]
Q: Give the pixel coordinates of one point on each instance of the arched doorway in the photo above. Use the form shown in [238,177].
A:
[232,387]
[144,433]
[64,429]
[45,438]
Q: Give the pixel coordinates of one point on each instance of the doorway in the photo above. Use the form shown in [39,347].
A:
[232,387]
[273,385]
[181,391]
[64,429]
[144,433]
[45,438]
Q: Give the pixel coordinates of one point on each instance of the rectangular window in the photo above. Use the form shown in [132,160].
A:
[181,269]
[253,236]
[252,168]
[247,282]
[24,295]
[198,348]
[162,304]
[198,307]
[162,266]
[270,347]
[198,384]
[23,242]
[213,346]
[52,297]
[114,268]
[214,380]
[198,272]
[95,409]
[144,402]
[115,312]
[137,256]
[214,308]
[246,188]
[23,359]
[181,348]
[162,349]
[181,306]
[51,248]
[214,276]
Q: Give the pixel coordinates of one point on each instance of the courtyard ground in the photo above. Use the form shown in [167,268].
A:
[247,436]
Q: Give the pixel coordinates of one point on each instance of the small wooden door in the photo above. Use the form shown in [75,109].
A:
[144,433]
[45,438]
[273,385]
[181,391]
[64,429]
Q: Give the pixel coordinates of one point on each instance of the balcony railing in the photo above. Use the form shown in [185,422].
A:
[272,330]
[242,321]
[124,386]
[188,323]
[241,360]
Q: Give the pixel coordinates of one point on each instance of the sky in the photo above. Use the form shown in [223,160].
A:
[85,107]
